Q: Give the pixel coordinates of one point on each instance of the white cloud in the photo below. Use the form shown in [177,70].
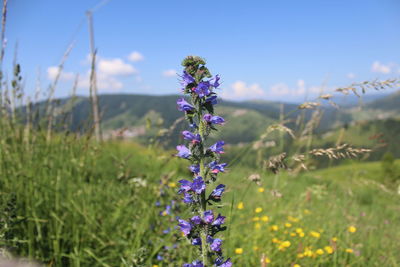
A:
[381,68]
[351,75]
[52,73]
[169,73]
[104,82]
[135,56]
[115,67]
[283,90]
[240,90]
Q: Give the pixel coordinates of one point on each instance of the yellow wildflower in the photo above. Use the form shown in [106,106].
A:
[301,234]
[274,227]
[240,206]
[296,265]
[328,249]
[288,225]
[265,218]
[155,265]
[255,248]
[293,219]
[261,189]
[257,226]
[292,234]
[315,234]
[238,251]
[267,260]
[349,250]
[258,210]
[172,184]
[164,213]
[300,255]
[308,253]
[285,244]
[256,219]
[352,229]
[334,239]
[299,230]
[319,251]
[275,240]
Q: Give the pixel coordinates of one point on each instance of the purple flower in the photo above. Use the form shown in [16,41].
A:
[159,257]
[187,198]
[167,211]
[219,220]
[215,82]
[203,89]
[218,147]
[215,244]
[217,192]
[186,79]
[212,99]
[166,231]
[195,168]
[196,241]
[186,227]
[208,216]
[221,263]
[196,219]
[195,138]
[183,152]
[198,185]
[193,264]
[183,105]
[185,186]
[216,168]
[213,119]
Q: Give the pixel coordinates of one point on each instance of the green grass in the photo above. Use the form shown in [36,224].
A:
[70,202]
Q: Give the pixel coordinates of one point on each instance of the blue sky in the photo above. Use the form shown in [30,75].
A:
[273,50]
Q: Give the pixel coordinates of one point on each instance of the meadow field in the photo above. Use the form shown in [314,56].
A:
[111,165]
[74,202]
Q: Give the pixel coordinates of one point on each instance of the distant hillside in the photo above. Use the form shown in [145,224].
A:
[144,116]
[388,103]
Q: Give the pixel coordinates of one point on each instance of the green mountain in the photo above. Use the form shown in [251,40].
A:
[144,115]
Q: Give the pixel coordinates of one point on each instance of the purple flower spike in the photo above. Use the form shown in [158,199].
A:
[208,216]
[218,147]
[195,168]
[203,89]
[185,186]
[221,263]
[183,152]
[185,226]
[196,241]
[217,192]
[187,198]
[196,219]
[216,168]
[215,81]
[213,119]
[198,185]
[216,244]
[186,79]
[195,138]
[219,220]
[197,264]
[183,105]
[212,99]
